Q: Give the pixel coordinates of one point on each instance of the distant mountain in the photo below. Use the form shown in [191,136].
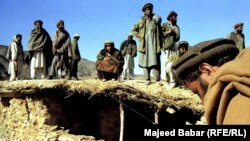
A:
[86,68]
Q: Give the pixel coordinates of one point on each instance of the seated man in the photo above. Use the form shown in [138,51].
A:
[170,78]
[109,62]
[220,76]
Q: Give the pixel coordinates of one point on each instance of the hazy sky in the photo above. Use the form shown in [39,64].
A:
[99,20]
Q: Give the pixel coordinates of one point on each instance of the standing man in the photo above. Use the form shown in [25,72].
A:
[129,51]
[171,35]
[148,31]
[15,56]
[220,76]
[61,51]
[40,50]
[237,36]
[76,57]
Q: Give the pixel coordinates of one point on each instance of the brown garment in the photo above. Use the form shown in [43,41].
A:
[227,100]
[112,68]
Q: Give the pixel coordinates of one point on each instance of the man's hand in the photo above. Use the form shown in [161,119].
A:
[106,58]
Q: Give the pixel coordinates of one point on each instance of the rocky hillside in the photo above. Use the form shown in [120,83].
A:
[86,68]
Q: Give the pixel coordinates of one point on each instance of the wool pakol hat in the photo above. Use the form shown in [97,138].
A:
[237,25]
[203,52]
[172,13]
[38,21]
[148,5]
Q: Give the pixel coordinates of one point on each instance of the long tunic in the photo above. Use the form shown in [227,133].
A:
[15,53]
[149,58]
[129,51]
[40,48]
[62,51]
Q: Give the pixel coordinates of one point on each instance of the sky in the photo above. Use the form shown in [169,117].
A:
[100,20]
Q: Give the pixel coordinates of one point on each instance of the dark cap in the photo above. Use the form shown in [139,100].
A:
[183,44]
[148,5]
[60,21]
[204,52]
[237,25]
[172,13]
[38,21]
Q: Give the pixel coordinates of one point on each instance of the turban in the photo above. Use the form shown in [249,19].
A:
[172,13]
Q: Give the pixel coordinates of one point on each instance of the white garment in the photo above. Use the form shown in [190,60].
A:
[16,56]
[38,63]
[128,67]
[128,62]
[168,69]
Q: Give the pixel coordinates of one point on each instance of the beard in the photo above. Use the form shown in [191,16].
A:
[203,84]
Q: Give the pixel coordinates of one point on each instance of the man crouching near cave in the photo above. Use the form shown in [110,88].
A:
[109,62]
[221,77]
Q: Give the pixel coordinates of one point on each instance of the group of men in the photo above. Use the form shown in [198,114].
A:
[155,38]
[58,58]
[217,69]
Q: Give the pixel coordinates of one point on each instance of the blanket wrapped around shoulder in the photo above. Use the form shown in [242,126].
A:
[227,100]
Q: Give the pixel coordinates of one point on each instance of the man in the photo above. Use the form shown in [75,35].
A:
[15,56]
[237,36]
[40,50]
[76,57]
[129,51]
[61,51]
[109,62]
[170,78]
[221,77]
[171,35]
[148,31]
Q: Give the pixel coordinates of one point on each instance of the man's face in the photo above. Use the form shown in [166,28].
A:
[198,86]
[60,26]
[148,12]
[182,50]
[130,38]
[109,47]
[239,29]
[19,39]
[38,25]
[173,19]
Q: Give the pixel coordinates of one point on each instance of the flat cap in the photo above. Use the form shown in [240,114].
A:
[148,5]
[183,44]
[238,24]
[204,52]
[38,21]
[172,13]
